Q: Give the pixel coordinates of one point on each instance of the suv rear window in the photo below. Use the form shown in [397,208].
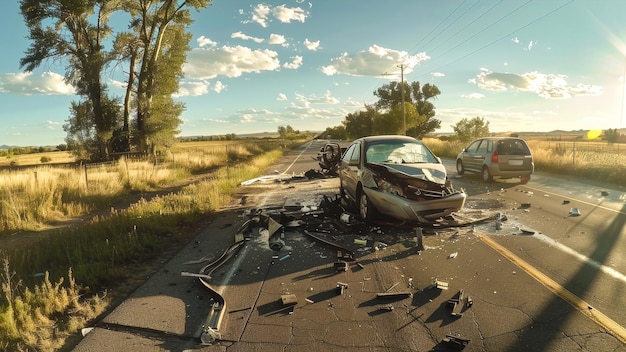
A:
[513,147]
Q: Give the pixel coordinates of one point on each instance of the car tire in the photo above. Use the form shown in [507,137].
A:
[366,209]
[460,169]
[487,175]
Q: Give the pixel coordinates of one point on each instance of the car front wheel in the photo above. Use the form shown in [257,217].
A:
[366,209]
[460,169]
[487,175]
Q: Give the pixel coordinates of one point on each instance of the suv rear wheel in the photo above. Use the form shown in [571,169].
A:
[460,169]
[487,175]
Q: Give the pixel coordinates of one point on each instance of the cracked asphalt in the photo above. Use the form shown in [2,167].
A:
[511,310]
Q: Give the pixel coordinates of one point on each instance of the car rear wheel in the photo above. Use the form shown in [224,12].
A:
[487,175]
[460,169]
[366,209]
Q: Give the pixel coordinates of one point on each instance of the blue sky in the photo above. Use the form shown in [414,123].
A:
[522,65]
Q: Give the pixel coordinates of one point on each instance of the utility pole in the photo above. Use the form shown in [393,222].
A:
[401,66]
[402,93]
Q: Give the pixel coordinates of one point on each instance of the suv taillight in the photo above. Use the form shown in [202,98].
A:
[494,157]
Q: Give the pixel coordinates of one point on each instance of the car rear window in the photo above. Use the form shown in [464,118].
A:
[513,147]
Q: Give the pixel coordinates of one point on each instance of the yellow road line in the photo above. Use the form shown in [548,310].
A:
[607,323]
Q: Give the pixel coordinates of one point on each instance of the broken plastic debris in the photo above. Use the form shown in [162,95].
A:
[574,212]
[453,255]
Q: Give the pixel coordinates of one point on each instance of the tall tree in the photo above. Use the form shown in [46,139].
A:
[360,123]
[151,22]
[469,129]
[390,97]
[75,30]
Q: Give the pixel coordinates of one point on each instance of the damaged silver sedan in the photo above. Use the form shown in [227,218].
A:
[398,177]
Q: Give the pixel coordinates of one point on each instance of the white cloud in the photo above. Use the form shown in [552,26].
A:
[375,61]
[26,83]
[192,88]
[218,87]
[287,14]
[438,74]
[204,41]
[228,61]
[548,86]
[52,125]
[261,14]
[473,96]
[278,39]
[281,97]
[312,46]
[240,35]
[294,64]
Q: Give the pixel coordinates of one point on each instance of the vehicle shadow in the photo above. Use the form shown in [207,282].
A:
[577,284]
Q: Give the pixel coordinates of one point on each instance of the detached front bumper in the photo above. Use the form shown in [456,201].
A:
[409,210]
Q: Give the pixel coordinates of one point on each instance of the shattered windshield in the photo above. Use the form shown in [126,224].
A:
[399,153]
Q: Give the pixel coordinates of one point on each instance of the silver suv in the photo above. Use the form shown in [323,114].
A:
[497,157]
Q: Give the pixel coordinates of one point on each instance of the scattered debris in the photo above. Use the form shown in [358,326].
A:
[387,307]
[341,266]
[524,205]
[455,341]
[453,255]
[341,287]
[457,304]
[442,285]
[565,201]
[394,294]
[574,212]
[527,231]
[604,193]
[360,242]
[419,234]
[209,336]
[289,299]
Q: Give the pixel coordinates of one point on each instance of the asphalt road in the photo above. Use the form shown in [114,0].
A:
[545,280]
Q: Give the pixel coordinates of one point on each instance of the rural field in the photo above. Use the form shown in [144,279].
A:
[75,237]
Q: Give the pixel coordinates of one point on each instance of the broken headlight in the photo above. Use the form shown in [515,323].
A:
[387,187]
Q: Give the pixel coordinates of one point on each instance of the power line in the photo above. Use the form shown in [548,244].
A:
[496,40]
[500,38]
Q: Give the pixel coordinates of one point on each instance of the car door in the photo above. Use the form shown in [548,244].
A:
[349,170]
[469,157]
[483,154]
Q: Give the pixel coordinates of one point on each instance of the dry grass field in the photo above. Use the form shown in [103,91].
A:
[56,157]
[93,227]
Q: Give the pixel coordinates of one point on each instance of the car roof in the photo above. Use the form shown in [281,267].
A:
[389,137]
[498,138]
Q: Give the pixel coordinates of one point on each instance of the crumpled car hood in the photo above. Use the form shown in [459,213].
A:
[427,172]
